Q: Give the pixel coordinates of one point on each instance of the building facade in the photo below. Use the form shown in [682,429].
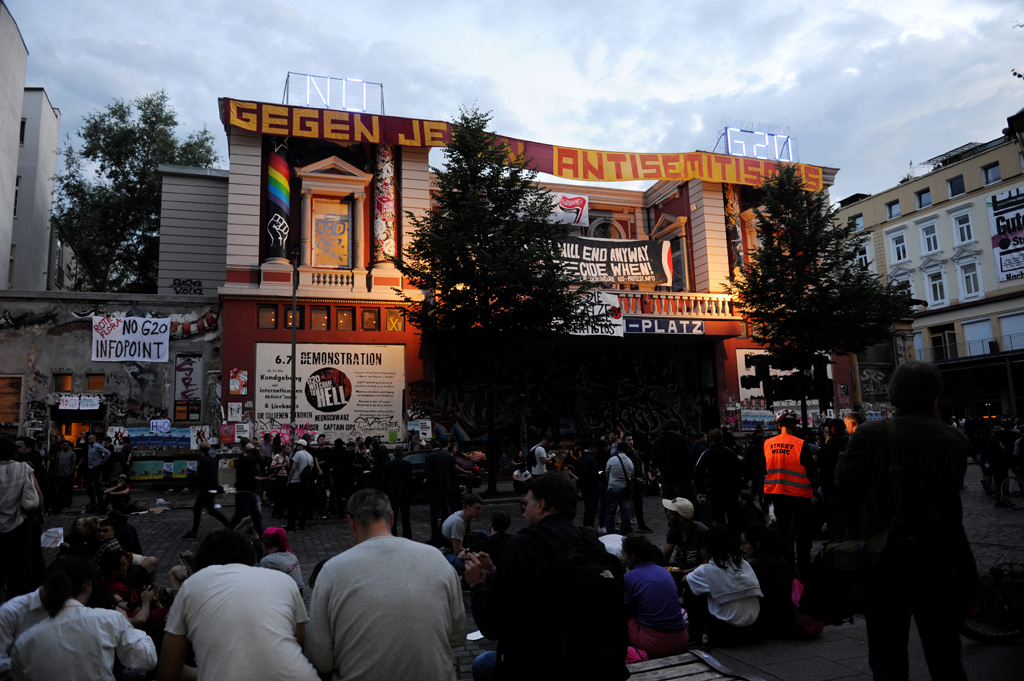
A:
[955,234]
[36,257]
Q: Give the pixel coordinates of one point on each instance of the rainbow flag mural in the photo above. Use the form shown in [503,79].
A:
[278,200]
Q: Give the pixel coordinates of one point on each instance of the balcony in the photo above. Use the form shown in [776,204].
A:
[951,352]
[694,305]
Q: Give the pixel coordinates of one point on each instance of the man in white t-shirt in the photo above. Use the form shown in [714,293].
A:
[244,622]
[538,457]
[298,494]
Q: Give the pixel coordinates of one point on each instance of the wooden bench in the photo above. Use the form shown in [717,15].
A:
[693,665]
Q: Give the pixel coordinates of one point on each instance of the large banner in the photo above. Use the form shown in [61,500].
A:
[1006,217]
[130,339]
[345,391]
[618,261]
[347,127]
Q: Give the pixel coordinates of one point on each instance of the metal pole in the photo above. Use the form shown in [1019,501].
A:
[295,319]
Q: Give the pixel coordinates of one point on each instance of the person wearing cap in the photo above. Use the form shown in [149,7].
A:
[685,535]
[206,489]
[790,480]
[297,489]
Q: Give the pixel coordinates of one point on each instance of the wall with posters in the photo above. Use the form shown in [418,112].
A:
[49,339]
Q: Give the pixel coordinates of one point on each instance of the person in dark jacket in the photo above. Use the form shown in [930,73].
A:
[508,599]
[719,473]
[670,456]
[439,471]
[589,483]
[396,482]
[828,456]
[206,485]
[933,458]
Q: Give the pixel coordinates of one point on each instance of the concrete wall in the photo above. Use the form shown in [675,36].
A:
[48,333]
[193,230]
[13,59]
[37,164]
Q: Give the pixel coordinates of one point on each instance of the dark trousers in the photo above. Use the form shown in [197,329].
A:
[297,509]
[888,628]
[247,504]
[94,485]
[589,508]
[65,490]
[439,511]
[401,507]
[16,568]
[638,504]
[204,499]
[724,508]
[794,521]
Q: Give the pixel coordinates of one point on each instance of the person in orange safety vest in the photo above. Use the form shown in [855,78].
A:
[790,484]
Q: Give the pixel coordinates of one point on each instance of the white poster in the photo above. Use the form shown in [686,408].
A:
[234,412]
[345,391]
[1006,218]
[130,339]
[199,435]
[603,306]
[69,401]
[89,402]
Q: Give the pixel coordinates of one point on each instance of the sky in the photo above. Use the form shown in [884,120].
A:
[874,88]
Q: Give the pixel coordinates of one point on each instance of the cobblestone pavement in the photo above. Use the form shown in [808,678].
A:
[839,653]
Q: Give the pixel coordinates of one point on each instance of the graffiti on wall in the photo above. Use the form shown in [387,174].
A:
[873,382]
[187,287]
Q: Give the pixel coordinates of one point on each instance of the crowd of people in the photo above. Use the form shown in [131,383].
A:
[740,523]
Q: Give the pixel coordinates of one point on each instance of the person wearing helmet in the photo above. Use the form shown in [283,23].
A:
[789,485]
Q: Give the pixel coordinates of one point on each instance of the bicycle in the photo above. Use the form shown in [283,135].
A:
[1012,492]
[997,614]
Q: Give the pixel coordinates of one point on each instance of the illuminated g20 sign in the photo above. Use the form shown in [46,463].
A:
[764,145]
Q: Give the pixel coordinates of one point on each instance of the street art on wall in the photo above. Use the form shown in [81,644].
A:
[332,233]
[278,200]
[341,390]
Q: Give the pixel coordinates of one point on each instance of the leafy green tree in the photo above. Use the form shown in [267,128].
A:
[107,197]
[486,258]
[802,291]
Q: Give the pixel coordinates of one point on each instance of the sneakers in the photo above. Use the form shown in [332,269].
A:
[189,535]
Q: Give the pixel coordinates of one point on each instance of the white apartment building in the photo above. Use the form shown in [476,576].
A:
[956,234]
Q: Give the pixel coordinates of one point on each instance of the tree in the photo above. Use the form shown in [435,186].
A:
[107,197]
[803,291]
[487,258]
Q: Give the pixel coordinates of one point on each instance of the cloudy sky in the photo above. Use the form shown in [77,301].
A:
[867,86]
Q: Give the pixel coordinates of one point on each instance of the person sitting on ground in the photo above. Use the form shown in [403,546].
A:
[278,556]
[113,601]
[125,532]
[520,476]
[80,539]
[118,496]
[106,534]
[685,535]
[765,550]
[456,533]
[244,622]
[733,596]
[74,637]
[496,540]
[657,625]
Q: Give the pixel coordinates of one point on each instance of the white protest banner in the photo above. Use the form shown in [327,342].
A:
[604,308]
[69,401]
[130,339]
[89,402]
[572,209]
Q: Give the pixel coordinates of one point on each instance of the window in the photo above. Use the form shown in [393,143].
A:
[862,255]
[345,319]
[395,319]
[956,186]
[319,318]
[266,317]
[923,198]
[370,319]
[943,339]
[929,239]
[899,248]
[62,383]
[892,210]
[970,286]
[990,173]
[288,317]
[17,190]
[21,135]
[95,381]
[936,288]
[858,222]
[962,226]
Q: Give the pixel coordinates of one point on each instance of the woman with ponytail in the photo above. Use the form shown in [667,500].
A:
[74,641]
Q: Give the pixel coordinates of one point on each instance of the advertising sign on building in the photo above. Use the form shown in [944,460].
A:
[617,261]
[345,391]
[130,339]
[666,325]
[1006,218]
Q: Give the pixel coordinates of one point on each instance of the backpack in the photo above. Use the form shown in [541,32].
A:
[590,614]
[531,456]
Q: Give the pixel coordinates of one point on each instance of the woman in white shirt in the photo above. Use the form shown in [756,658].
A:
[724,597]
[75,641]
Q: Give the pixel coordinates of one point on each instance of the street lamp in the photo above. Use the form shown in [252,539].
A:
[293,253]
